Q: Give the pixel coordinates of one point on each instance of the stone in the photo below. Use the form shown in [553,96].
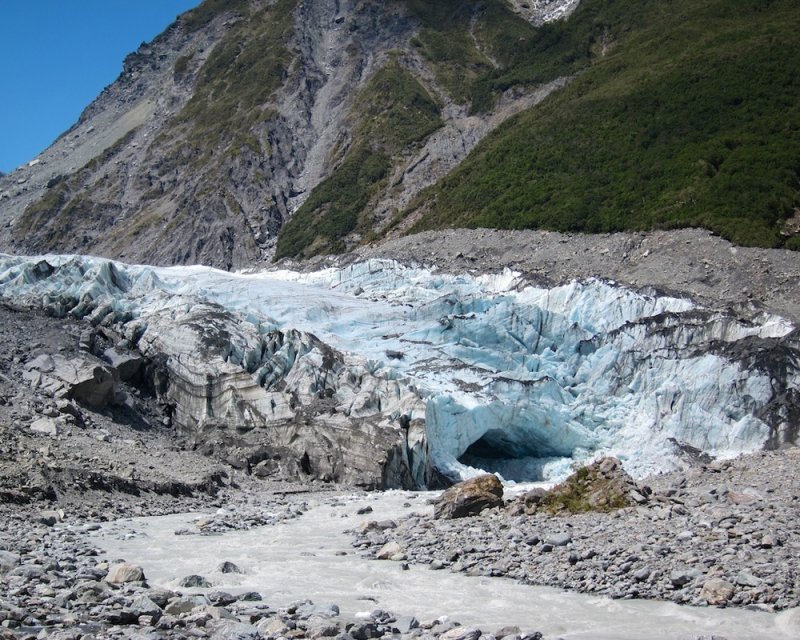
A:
[144,606]
[194,581]
[8,561]
[45,427]
[560,539]
[746,579]
[717,591]
[681,577]
[601,486]
[640,575]
[221,598]
[127,363]
[272,627]
[228,567]
[123,573]
[184,604]
[461,633]
[469,498]
[391,551]
[234,630]
[215,612]
[83,378]
[51,518]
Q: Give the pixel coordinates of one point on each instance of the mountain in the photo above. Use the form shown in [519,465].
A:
[262,129]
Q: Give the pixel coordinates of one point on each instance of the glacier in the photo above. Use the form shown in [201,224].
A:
[384,374]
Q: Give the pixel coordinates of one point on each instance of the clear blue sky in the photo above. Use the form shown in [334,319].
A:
[57,55]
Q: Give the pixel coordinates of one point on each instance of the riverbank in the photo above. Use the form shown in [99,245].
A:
[723,533]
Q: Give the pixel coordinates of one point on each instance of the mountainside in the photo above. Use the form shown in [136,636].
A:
[261,129]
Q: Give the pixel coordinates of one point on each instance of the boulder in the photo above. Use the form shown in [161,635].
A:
[82,377]
[461,633]
[391,551]
[716,591]
[52,517]
[45,427]
[228,567]
[184,604]
[123,573]
[601,486]
[8,561]
[144,606]
[233,630]
[195,581]
[469,498]
[127,363]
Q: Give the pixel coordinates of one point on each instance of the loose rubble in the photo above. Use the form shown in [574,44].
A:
[723,534]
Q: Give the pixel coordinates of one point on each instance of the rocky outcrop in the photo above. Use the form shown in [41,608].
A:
[601,486]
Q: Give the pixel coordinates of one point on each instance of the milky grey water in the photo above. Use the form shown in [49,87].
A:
[302,559]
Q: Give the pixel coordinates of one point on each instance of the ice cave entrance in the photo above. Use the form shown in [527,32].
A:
[495,452]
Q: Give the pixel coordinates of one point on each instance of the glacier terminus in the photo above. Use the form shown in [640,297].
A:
[384,375]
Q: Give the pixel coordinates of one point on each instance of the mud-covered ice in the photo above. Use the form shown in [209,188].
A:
[495,368]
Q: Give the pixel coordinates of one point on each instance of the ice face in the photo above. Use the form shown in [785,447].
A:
[503,375]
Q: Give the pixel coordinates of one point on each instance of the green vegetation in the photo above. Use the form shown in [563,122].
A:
[687,114]
[395,113]
[586,490]
[480,48]
[334,206]
[239,77]
[182,64]
[200,16]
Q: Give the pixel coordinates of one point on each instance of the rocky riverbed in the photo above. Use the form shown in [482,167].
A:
[722,534]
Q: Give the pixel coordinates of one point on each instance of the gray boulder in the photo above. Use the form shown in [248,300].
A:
[195,581]
[83,378]
[123,573]
[8,561]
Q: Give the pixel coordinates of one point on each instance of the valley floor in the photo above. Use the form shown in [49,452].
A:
[723,533]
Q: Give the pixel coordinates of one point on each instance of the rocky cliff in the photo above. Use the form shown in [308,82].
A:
[219,130]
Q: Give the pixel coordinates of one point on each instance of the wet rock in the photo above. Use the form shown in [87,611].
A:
[469,498]
[228,567]
[195,581]
[221,598]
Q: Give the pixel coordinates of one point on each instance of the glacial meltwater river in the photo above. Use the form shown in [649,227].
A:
[302,558]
